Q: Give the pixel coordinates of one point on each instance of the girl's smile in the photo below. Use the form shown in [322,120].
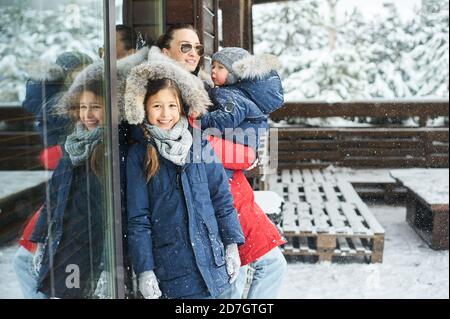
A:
[163,109]
[91,110]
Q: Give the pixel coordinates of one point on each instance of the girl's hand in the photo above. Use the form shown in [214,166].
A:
[148,285]
[233,261]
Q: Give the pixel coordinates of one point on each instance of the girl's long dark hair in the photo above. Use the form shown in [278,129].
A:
[151,161]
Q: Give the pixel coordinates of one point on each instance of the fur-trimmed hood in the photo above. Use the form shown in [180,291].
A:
[159,66]
[256,66]
[95,71]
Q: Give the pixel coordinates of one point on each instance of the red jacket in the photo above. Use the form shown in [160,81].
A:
[261,235]
[49,158]
[23,241]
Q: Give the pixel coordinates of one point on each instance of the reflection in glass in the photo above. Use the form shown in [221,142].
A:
[54,166]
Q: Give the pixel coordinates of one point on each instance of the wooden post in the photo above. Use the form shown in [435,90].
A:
[326,244]
[237,23]
[439,238]
[377,249]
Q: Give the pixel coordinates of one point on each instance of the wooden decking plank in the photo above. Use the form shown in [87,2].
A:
[354,220]
[349,192]
[336,218]
[294,194]
[320,220]
[286,176]
[305,219]
[330,193]
[289,219]
[313,195]
[297,176]
[328,175]
[370,219]
[307,176]
[318,177]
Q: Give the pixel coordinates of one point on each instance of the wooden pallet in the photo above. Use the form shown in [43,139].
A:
[324,217]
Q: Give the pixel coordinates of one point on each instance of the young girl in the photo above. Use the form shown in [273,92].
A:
[181,45]
[182,228]
[69,229]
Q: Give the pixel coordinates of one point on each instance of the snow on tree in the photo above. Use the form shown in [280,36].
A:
[326,57]
[388,47]
[431,52]
[29,36]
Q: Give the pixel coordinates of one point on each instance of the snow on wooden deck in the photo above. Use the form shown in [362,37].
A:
[431,184]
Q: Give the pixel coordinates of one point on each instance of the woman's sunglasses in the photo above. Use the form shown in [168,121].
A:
[187,47]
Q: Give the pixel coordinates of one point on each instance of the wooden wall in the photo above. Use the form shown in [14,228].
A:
[202,14]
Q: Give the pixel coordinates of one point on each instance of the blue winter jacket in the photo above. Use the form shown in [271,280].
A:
[244,105]
[75,236]
[179,223]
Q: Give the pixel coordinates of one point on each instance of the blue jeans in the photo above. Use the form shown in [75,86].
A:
[269,271]
[23,266]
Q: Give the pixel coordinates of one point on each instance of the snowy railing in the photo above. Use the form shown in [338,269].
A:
[424,110]
[382,145]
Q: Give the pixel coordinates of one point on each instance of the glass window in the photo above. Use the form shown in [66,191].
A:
[56,199]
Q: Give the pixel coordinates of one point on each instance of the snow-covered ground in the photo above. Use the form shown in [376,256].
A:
[410,269]
[9,288]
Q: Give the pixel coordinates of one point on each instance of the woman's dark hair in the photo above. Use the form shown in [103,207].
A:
[151,162]
[165,39]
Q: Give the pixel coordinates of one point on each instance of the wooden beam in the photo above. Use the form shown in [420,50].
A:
[237,23]
[384,109]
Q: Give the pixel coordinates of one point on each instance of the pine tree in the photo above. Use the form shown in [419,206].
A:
[431,52]
[388,57]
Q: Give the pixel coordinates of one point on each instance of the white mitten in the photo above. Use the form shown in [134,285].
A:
[148,285]
[233,261]
[102,291]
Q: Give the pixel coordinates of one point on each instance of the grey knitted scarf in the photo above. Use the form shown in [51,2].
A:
[80,144]
[173,145]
